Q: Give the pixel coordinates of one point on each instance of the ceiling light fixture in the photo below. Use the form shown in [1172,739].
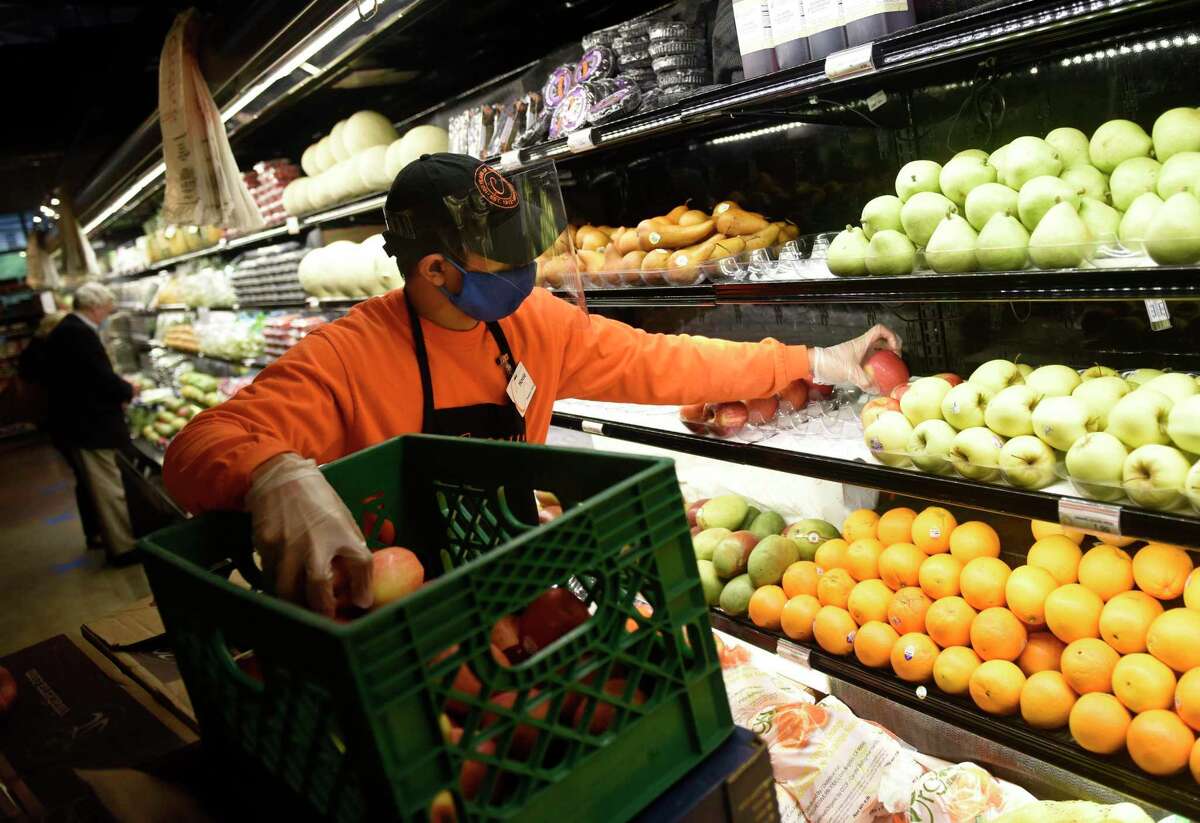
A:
[130,193]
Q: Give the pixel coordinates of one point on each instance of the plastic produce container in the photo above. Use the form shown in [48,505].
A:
[349,715]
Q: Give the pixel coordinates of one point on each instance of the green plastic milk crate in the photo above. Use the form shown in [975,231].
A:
[350,715]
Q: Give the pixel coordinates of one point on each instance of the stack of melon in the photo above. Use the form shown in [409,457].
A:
[344,270]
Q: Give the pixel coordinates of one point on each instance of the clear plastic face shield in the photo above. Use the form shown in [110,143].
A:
[508,224]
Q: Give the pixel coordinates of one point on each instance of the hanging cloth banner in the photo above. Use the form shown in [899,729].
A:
[79,261]
[40,271]
[204,186]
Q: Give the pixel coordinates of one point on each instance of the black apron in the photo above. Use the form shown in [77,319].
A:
[489,421]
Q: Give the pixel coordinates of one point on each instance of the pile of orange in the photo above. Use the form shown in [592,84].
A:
[1088,638]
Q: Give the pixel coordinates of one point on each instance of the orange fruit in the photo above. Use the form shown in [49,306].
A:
[1058,555]
[983,581]
[1047,700]
[931,530]
[800,578]
[833,589]
[1099,722]
[1043,652]
[1106,570]
[939,576]
[869,601]
[907,610]
[1126,619]
[834,630]
[974,539]
[996,686]
[862,558]
[996,634]
[1044,528]
[900,564]
[913,656]
[1161,571]
[953,668]
[1088,665]
[895,526]
[1194,762]
[1073,612]
[797,616]
[859,524]
[1026,590]
[1159,742]
[948,622]
[873,644]
[766,605]
[831,555]
[1191,590]
[1142,683]
[1174,638]
[1187,698]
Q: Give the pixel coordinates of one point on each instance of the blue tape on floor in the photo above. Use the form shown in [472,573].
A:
[60,518]
[70,564]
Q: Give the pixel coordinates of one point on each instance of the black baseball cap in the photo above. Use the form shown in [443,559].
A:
[453,203]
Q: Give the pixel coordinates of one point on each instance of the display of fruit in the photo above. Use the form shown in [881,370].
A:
[1053,203]
[750,418]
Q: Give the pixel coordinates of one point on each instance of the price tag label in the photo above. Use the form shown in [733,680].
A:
[510,160]
[581,140]
[592,427]
[877,100]
[293,224]
[313,303]
[202,314]
[792,652]
[1090,515]
[223,242]
[1160,315]
[850,62]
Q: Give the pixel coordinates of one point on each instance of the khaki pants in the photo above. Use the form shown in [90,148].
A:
[108,492]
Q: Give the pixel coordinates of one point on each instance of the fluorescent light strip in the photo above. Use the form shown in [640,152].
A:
[130,193]
[748,135]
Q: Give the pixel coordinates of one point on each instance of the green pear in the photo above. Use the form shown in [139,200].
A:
[921,214]
[1115,142]
[952,246]
[1102,220]
[917,176]
[1173,237]
[891,252]
[1136,221]
[1174,131]
[1071,145]
[1180,173]
[1040,195]
[847,252]
[978,154]
[999,161]
[1027,158]
[1061,240]
[881,213]
[1087,179]
[961,175]
[987,200]
[1003,245]
[1132,179]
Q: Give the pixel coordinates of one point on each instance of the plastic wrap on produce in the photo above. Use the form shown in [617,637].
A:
[958,793]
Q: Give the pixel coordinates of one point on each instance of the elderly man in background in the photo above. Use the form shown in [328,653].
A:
[86,399]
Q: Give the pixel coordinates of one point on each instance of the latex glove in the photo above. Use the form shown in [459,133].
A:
[300,525]
[843,363]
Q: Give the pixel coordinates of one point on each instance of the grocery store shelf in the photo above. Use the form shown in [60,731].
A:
[846,462]
[1178,794]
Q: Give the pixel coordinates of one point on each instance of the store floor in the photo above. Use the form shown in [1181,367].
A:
[50,583]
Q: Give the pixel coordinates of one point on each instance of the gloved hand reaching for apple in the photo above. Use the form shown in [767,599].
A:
[300,527]
[843,363]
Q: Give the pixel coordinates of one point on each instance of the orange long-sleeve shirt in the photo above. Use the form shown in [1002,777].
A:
[354,383]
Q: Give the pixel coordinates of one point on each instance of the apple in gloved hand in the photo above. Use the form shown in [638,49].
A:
[396,573]
[886,370]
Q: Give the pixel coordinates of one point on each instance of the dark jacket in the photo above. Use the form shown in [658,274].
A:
[85,394]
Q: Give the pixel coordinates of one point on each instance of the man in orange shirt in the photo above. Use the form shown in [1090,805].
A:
[448,354]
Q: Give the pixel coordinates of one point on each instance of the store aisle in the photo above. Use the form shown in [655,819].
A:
[49,582]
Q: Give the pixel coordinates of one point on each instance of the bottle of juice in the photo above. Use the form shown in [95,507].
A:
[756,42]
[868,20]
[790,32]
[823,19]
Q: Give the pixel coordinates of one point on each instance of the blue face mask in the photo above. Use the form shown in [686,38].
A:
[489,297]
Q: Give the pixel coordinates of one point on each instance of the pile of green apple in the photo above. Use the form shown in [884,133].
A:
[1053,202]
[1136,436]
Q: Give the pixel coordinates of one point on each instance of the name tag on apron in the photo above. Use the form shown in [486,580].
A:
[521,388]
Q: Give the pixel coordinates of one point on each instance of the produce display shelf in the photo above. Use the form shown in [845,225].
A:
[1179,794]
[1021,26]
[1168,527]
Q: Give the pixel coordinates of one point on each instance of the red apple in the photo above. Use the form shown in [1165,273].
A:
[796,394]
[898,392]
[950,377]
[886,370]
[729,418]
[396,573]
[877,406]
[822,389]
[694,507]
[473,771]
[605,712]
[762,410]
[442,809]
[696,417]
[549,617]
[525,736]
[696,530]
[546,499]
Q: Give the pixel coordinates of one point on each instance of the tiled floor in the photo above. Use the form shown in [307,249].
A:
[49,582]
